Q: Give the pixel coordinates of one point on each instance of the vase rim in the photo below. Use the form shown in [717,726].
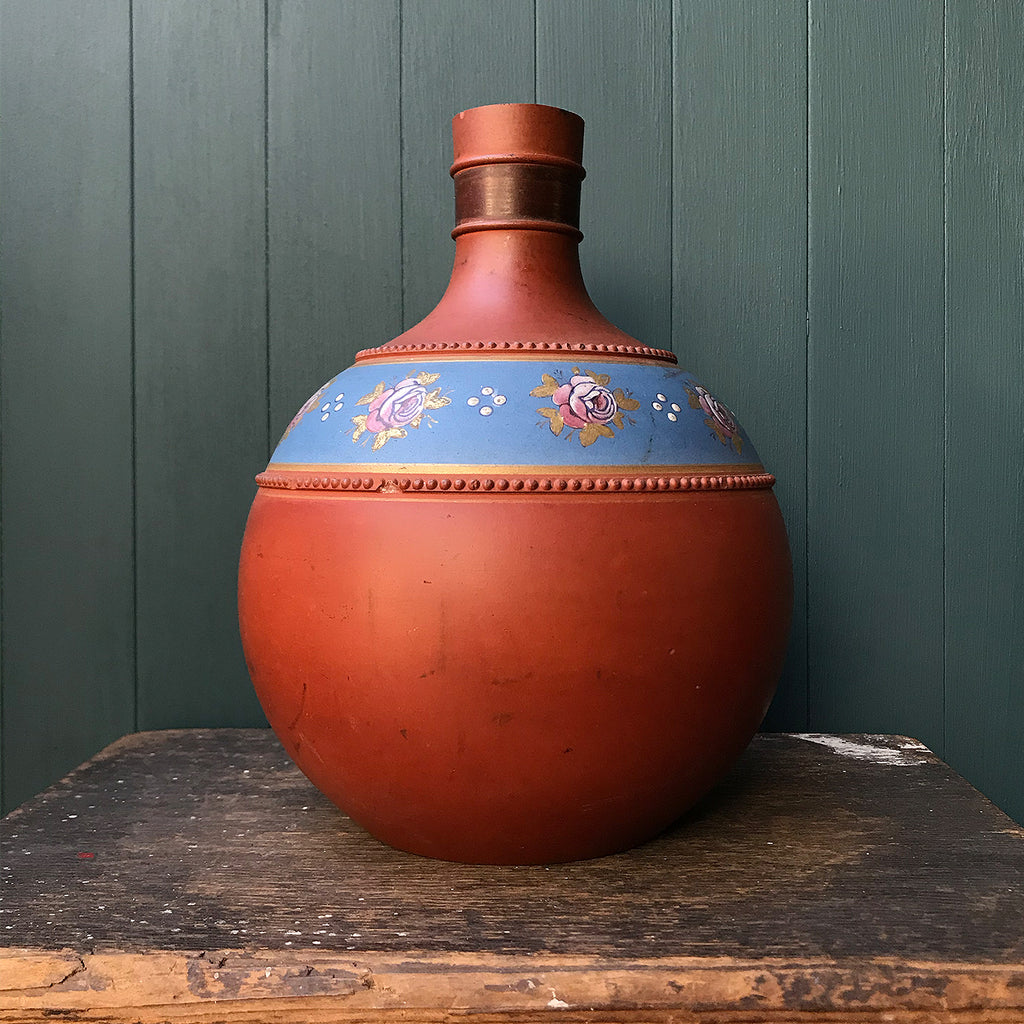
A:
[517,133]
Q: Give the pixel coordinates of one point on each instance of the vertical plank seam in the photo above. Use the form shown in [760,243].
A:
[945,360]
[536,51]
[266,219]
[671,176]
[401,165]
[807,366]
[132,370]
[3,562]
[3,619]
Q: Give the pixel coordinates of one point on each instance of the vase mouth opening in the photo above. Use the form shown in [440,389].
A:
[531,133]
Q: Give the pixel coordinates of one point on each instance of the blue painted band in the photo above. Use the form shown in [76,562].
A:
[486,412]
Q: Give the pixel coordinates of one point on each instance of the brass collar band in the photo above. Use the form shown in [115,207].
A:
[543,197]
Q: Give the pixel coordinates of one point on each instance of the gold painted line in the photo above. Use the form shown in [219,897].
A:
[477,469]
[491,356]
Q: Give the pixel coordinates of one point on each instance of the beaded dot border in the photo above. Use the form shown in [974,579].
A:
[644,351]
[388,483]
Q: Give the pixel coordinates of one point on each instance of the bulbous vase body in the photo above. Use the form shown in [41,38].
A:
[515,587]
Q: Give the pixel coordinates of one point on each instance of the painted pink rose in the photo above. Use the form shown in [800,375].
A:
[397,406]
[311,403]
[718,412]
[584,401]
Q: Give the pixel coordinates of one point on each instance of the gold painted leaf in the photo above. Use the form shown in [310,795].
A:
[426,378]
[604,430]
[547,389]
[626,403]
[375,393]
[383,436]
[617,420]
[576,372]
[360,422]
[589,434]
[555,420]
[693,399]
[435,400]
[599,378]
[737,443]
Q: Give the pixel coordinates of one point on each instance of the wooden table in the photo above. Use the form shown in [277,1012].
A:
[197,876]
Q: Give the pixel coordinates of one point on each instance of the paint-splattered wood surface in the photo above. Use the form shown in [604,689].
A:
[196,875]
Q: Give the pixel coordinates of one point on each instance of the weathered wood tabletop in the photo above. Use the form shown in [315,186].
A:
[197,876]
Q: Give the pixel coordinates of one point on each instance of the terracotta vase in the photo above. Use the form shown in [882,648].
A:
[515,587]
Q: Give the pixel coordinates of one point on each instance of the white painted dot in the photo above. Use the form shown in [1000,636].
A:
[325,416]
[672,416]
[500,399]
[487,391]
[675,408]
[661,398]
[473,401]
[485,410]
[323,408]
[340,405]
[657,405]
[338,397]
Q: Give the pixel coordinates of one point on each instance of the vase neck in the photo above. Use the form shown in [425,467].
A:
[516,276]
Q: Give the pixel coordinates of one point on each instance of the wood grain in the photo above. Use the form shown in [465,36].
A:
[65,388]
[334,192]
[984,578]
[875,367]
[620,82]
[222,830]
[739,224]
[180,875]
[201,367]
[455,55]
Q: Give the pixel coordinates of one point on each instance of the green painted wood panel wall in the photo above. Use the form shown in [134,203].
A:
[208,208]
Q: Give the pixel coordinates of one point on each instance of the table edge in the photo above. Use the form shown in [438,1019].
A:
[473,984]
